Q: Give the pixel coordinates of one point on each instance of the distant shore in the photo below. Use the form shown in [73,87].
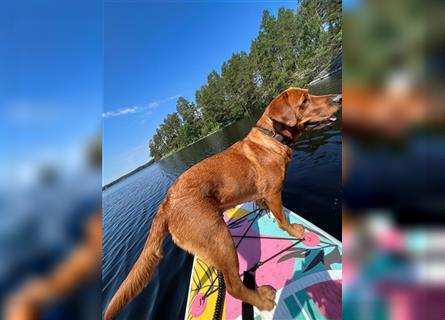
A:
[196,141]
[152,161]
[149,163]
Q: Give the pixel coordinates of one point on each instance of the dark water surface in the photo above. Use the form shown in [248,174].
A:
[312,189]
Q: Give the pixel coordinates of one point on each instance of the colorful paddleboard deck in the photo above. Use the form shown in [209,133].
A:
[306,273]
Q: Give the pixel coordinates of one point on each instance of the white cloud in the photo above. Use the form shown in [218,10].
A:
[154,104]
[157,103]
[151,105]
[176,96]
[121,112]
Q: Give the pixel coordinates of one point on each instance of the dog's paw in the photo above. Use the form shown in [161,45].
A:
[266,298]
[296,230]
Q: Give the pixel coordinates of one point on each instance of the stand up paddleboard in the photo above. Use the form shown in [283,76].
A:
[306,273]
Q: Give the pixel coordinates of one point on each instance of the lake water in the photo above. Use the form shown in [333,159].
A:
[312,189]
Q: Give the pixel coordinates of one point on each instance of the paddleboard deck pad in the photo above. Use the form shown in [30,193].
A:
[306,273]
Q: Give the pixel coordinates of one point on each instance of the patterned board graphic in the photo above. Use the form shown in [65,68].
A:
[306,273]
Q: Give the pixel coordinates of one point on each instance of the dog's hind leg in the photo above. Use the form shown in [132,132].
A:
[207,236]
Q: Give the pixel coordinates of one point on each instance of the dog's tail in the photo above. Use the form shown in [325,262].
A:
[142,270]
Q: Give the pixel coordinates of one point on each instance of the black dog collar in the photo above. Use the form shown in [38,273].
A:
[279,137]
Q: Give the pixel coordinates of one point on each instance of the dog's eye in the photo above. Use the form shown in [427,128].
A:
[305,101]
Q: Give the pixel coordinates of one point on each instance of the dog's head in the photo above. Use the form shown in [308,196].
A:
[295,111]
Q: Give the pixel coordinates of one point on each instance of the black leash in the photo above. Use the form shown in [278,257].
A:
[219,307]
[247,309]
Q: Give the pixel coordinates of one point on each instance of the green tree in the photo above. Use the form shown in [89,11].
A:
[211,101]
[166,139]
[319,36]
[156,145]
[191,121]
[239,85]
[274,53]
[172,125]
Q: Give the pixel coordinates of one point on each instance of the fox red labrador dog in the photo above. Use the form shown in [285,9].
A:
[192,211]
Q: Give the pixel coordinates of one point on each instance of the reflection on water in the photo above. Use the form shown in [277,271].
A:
[312,189]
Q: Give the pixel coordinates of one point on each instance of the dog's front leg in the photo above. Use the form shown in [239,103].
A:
[274,203]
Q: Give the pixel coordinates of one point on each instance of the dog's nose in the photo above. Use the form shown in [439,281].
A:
[337,98]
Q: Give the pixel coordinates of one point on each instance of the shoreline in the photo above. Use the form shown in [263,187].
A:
[202,138]
[152,161]
[145,165]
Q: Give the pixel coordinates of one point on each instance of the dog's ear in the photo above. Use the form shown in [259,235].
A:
[281,111]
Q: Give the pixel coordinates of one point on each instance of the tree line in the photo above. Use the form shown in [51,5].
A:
[289,50]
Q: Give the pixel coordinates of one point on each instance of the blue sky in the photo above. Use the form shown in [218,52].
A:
[156,51]
[51,80]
